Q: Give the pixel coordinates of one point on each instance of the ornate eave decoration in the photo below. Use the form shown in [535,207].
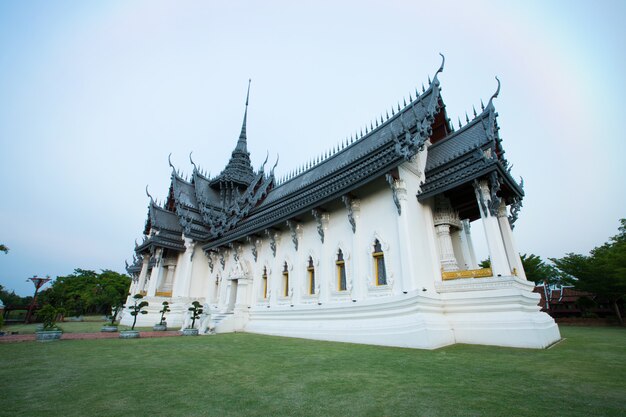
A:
[318,215]
[392,184]
[293,228]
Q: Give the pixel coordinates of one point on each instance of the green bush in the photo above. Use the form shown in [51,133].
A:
[47,315]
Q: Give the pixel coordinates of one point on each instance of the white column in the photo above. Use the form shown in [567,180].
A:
[156,273]
[444,218]
[467,245]
[509,243]
[169,277]
[497,253]
[327,269]
[446,250]
[141,280]
[356,281]
[406,257]
[183,278]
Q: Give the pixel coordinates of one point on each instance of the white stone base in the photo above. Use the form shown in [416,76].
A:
[500,311]
[403,321]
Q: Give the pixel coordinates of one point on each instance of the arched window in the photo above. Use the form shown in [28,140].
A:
[286,280]
[311,273]
[264,284]
[341,272]
[380,274]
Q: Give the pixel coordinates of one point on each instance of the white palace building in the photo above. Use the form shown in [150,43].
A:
[369,243]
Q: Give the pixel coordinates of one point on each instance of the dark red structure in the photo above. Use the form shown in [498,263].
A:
[38,282]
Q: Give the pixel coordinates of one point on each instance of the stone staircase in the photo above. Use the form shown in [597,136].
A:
[216,319]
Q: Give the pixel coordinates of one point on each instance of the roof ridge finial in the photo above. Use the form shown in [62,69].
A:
[495,95]
[276,163]
[443,62]
[169,161]
[148,194]
[195,168]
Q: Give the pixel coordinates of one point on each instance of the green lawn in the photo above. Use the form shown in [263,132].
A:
[91,324]
[252,375]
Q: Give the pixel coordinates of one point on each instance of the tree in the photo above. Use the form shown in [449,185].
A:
[137,308]
[11,299]
[537,270]
[86,291]
[195,312]
[602,272]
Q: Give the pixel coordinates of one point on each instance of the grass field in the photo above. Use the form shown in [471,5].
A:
[253,375]
[91,325]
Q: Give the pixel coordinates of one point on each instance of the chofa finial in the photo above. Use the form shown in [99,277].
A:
[276,163]
[443,62]
[195,168]
[169,160]
[495,95]
[148,194]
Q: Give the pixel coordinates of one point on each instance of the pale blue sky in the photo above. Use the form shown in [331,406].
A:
[95,95]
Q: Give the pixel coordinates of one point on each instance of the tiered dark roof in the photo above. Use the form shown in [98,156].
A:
[239,201]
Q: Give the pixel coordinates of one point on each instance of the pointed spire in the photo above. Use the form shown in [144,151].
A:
[403,101]
[460,123]
[474,109]
[466,118]
[242,142]
[482,105]
[392,113]
[423,89]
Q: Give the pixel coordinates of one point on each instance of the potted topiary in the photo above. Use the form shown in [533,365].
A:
[112,326]
[49,330]
[135,309]
[162,325]
[194,313]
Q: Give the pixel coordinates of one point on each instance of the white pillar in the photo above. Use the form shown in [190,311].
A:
[327,269]
[183,278]
[497,253]
[169,278]
[509,243]
[156,273]
[446,250]
[356,282]
[444,218]
[467,245]
[406,257]
[141,280]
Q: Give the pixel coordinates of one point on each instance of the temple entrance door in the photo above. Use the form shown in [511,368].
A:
[232,297]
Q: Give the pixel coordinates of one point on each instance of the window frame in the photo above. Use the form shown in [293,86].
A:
[340,264]
[311,276]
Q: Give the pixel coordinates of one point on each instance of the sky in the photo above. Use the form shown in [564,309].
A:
[95,95]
